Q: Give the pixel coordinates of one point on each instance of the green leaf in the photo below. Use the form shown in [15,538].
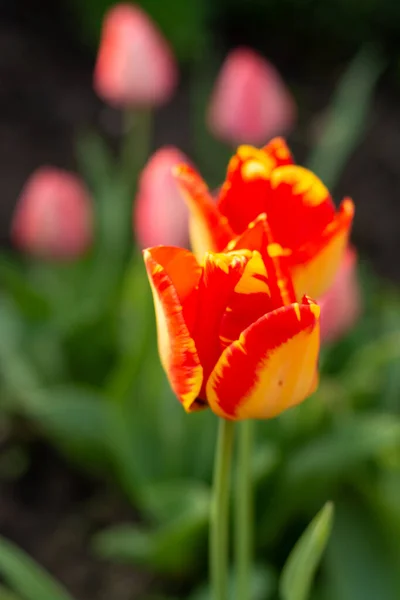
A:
[26,577]
[6,594]
[299,570]
[29,300]
[173,547]
[69,412]
[358,562]
[345,447]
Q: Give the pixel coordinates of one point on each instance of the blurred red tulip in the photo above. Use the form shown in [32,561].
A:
[160,215]
[53,217]
[341,305]
[135,65]
[250,103]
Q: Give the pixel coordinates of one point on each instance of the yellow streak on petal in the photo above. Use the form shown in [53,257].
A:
[256,163]
[316,276]
[254,169]
[283,379]
[249,284]
[304,182]
[297,311]
[275,250]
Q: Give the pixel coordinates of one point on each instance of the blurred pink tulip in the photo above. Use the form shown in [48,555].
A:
[135,65]
[160,214]
[341,305]
[53,218]
[250,103]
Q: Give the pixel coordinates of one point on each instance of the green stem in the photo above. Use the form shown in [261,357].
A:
[219,522]
[244,511]
[136,145]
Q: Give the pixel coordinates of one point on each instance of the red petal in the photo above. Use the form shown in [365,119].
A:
[278,150]
[299,206]
[221,274]
[250,300]
[243,195]
[174,275]
[270,368]
[209,230]
[314,266]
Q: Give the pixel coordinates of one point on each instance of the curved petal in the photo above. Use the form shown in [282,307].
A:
[297,196]
[250,300]
[278,150]
[174,276]
[258,237]
[270,368]
[314,266]
[209,229]
[221,274]
[243,195]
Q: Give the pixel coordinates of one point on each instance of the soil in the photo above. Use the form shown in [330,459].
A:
[46,97]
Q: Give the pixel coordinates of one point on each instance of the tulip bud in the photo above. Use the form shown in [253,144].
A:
[160,214]
[341,304]
[135,66]
[250,103]
[53,217]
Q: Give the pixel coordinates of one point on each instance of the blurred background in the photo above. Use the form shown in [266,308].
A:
[103,480]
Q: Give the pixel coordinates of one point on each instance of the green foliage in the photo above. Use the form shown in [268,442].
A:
[27,578]
[299,570]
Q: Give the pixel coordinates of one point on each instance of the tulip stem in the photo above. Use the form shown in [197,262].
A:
[136,147]
[244,511]
[219,519]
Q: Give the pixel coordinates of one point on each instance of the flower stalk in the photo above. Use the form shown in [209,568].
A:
[219,518]
[244,510]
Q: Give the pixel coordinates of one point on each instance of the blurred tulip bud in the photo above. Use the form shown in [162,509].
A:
[53,218]
[160,214]
[135,66]
[250,103]
[341,305]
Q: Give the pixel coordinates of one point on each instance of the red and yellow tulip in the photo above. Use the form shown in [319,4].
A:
[311,234]
[231,335]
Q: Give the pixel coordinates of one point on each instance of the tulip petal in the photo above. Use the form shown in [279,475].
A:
[243,195]
[256,236]
[209,230]
[298,197]
[266,283]
[221,274]
[174,276]
[271,367]
[250,300]
[316,263]
[278,150]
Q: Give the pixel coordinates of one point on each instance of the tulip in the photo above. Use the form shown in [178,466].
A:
[250,103]
[135,66]
[308,231]
[230,334]
[341,304]
[53,218]
[160,216]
